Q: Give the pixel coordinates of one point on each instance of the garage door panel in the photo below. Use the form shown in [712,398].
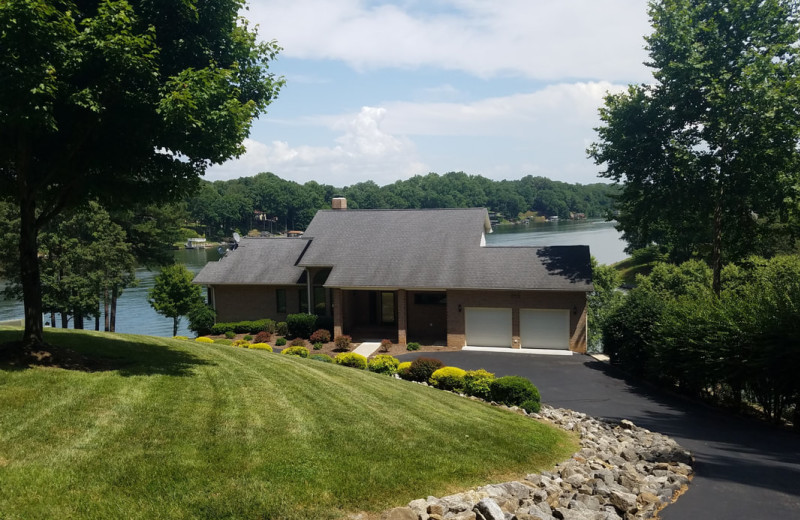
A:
[488,327]
[544,328]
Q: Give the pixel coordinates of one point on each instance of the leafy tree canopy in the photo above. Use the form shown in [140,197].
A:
[174,295]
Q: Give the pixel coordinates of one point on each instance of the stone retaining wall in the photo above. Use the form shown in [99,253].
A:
[621,472]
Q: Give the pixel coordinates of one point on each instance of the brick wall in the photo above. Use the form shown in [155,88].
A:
[575,302]
[254,302]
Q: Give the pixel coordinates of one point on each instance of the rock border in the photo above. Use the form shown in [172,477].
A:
[621,472]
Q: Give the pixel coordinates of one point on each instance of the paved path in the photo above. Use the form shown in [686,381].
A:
[745,469]
[367,348]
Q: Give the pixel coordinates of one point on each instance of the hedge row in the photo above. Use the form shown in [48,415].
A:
[245,327]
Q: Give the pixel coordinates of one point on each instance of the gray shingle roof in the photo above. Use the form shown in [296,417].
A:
[412,249]
[257,261]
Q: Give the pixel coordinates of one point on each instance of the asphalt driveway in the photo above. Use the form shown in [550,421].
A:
[745,469]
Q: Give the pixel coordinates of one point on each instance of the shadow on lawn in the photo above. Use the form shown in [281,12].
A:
[99,354]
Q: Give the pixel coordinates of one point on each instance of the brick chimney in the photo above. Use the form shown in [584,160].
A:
[339,203]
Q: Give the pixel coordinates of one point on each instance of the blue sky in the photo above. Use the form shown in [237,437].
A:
[384,90]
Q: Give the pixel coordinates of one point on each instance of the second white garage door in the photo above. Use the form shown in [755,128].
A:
[487,327]
[544,328]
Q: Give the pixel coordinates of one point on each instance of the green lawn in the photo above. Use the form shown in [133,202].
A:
[179,429]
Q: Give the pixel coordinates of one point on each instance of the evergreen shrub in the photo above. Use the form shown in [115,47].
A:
[448,378]
[351,359]
[281,329]
[478,383]
[422,369]
[295,351]
[402,370]
[261,346]
[412,346]
[280,342]
[513,391]
[321,357]
[383,364]
[301,325]
[203,339]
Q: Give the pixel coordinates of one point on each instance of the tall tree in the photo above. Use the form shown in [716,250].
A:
[708,154]
[123,102]
[174,295]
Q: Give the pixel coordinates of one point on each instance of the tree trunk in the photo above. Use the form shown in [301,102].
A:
[175,325]
[77,321]
[716,251]
[114,292]
[97,320]
[64,320]
[53,319]
[105,309]
[29,267]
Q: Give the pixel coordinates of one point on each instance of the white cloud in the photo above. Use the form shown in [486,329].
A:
[541,39]
[363,151]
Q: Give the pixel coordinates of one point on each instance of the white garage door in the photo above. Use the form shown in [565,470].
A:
[539,328]
[487,327]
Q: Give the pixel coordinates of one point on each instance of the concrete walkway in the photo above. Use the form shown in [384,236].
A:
[745,469]
[367,348]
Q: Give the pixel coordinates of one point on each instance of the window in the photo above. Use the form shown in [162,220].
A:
[319,301]
[303,307]
[430,298]
[280,300]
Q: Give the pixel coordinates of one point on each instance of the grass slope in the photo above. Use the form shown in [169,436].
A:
[178,429]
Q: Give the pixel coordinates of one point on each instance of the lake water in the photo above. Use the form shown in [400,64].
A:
[134,314]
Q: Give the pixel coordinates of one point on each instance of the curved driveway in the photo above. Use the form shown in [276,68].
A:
[744,470]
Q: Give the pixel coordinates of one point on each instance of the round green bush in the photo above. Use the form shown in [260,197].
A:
[351,359]
[248,337]
[383,364]
[280,342]
[296,351]
[261,346]
[412,346]
[478,383]
[422,368]
[448,378]
[325,358]
[531,406]
[230,334]
[317,346]
[402,370]
[202,339]
[513,391]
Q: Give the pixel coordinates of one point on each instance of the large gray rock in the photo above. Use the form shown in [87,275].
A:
[489,509]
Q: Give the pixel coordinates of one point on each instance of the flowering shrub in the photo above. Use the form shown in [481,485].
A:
[351,359]
[478,383]
[202,339]
[280,342]
[448,378]
[386,345]
[263,337]
[296,351]
[320,336]
[383,364]
[342,342]
[261,346]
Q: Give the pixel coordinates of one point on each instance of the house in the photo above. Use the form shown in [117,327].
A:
[410,275]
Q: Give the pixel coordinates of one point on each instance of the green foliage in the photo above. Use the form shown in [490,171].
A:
[317,346]
[531,405]
[202,339]
[230,334]
[174,295]
[295,351]
[281,329]
[320,336]
[383,364]
[261,346]
[602,302]
[448,378]
[201,319]
[513,391]
[244,327]
[248,338]
[422,368]
[351,359]
[241,343]
[280,342]
[478,383]
[412,346]
[301,325]
[321,357]
[342,342]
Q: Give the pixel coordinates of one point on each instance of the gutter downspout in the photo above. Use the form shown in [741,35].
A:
[309,290]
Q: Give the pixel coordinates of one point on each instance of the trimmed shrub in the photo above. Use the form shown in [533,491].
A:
[422,368]
[342,342]
[297,342]
[448,378]
[478,383]
[241,343]
[228,342]
[244,327]
[301,325]
[261,346]
[351,359]
[263,337]
[230,334]
[320,336]
[531,406]
[325,358]
[386,344]
[280,342]
[180,337]
[513,391]
[383,364]
[412,346]
[402,369]
[248,337]
[201,319]
[296,351]
[204,340]
[281,328]
[317,346]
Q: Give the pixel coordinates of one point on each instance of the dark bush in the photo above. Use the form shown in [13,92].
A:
[280,342]
[244,327]
[325,322]
[422,369]
[320,336]
[263,337]
[342,342]
[531,406]
[201,319]
[230,334]
[281,328]
[412,346]
[513,391]
[298,342]
[301,325]
[248,337]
